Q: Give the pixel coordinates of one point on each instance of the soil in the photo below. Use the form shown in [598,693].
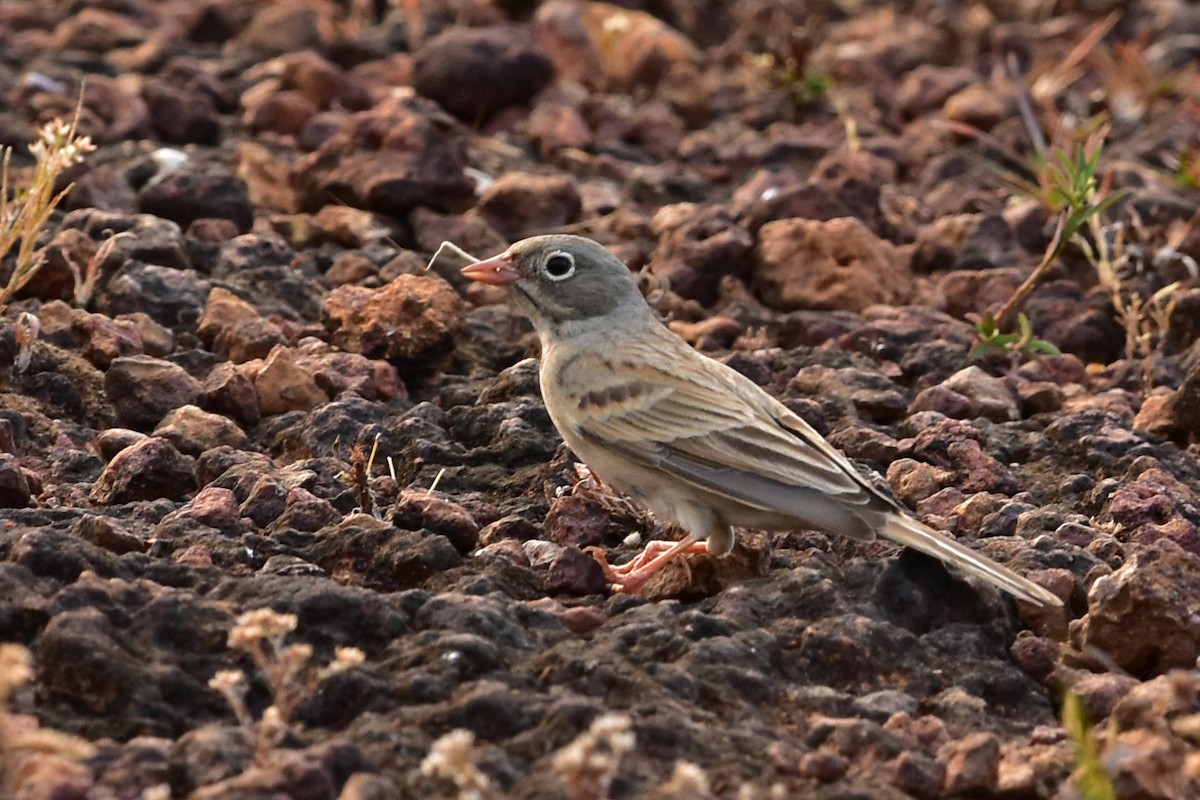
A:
[267,401]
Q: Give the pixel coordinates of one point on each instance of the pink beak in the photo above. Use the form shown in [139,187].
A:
[495,271]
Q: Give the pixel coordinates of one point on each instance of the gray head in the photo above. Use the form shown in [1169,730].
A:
[559,280]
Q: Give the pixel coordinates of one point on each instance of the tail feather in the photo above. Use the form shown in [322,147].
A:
[911,533]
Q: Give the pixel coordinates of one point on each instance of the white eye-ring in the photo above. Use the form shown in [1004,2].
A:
[560,266]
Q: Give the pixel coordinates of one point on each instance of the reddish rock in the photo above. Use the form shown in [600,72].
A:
[574,572]
[578,521]
[990,397]
[1146,615]
[99,338]
[927,87]
[266,500]
[833,265]
[608,47]
[979,106]
[412,322]
[698,245]
[474,72]
[557,126]
[350,267]
[401,154]
[519,204]
[97,30]
[147,470]
[349,227]
[247,339]
[182,111]
[277,29]
[108,533]
[144,389]
[113,440]
[214,507]
[417,509]
[15,491]
[193,431]
[306,512]
[337,372]
[913,481]
[281,112]
[973,764]
[231,393]
[283,385]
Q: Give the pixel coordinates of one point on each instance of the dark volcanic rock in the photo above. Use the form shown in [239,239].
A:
[475,72]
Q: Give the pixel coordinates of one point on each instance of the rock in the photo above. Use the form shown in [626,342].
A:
[114,440]
[212,506]
[275,30]
[193,431]
[149,469]
[337,373]
[398,155]
[417,509]
[927,87]
[1100,692]
[304,511]
[144,389]
[519,204]
[474,72]
[919,775]
[107,533]
[698,245]
[574,572]
[834,265]
[413,322]
[265,502]
[15,491]
[99,338]
[232,394]
[1145,615]
[578,521]
[283,385]
[150,239]
[990,397]
[182,112]
[194,192]
[979,106]
[223,309]
[171,297]
[248,339]
[973,764]
[608,47]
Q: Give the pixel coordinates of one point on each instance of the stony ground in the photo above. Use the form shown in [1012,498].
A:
[233,387]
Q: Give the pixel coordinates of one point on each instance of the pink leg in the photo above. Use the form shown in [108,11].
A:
[630,576]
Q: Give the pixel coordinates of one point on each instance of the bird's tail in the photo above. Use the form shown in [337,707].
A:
[911,533]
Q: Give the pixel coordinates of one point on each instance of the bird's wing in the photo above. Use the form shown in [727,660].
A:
[710,426]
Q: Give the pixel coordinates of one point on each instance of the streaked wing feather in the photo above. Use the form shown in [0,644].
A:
[717,430]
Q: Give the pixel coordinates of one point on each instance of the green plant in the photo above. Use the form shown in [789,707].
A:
[25,210]
[1066,183]
[785,72]
[1091,777]
[1023,343]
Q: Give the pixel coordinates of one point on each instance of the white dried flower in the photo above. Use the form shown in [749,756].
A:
[450,758]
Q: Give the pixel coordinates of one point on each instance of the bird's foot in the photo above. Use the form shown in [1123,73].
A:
[630,576]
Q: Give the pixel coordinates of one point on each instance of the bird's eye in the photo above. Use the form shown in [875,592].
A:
[559,266]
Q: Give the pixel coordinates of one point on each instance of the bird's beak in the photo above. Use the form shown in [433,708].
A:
[496,271]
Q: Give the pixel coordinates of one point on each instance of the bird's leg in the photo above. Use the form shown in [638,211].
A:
[630,576]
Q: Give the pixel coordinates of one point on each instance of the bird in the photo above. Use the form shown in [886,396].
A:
[691,439]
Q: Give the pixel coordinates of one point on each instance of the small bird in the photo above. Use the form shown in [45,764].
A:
[693,440]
